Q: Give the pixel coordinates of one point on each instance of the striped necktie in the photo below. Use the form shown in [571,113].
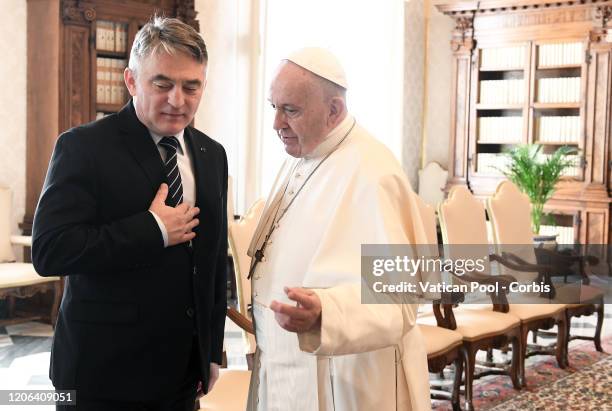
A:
[175,185]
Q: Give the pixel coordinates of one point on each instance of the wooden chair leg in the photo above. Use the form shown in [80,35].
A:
[600,319]
[562,343]
[455,402]
[490,355]
[534,336]
[469,357]
[519,354]
[10,300]
[568,325]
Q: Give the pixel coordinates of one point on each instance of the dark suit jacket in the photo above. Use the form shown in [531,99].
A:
[130,307]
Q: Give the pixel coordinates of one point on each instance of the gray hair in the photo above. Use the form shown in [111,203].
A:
[170,35]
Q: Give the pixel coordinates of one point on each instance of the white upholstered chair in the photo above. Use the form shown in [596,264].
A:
[240,235]
[509,210]
[462,222]
[432,180]
[231,390]
[443,346]
[20,280]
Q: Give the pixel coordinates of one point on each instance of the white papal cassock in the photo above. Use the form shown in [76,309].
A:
[366,357]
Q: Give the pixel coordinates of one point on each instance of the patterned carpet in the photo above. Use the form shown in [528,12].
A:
[587,389]
[584,386]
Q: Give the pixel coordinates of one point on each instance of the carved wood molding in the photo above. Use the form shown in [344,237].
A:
[77,12]
[462,40]
[453,8]
[27,291]
[604,13]
[185,11]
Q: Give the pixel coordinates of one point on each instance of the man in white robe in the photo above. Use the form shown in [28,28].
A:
[343,189]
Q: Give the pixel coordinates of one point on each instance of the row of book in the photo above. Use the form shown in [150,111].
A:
[559,90]
[572,171]
[111,36]
[498,163]
[558,129]
[502,91]
[560,54]
[500,129]
[110,85]
[565,235]
[502,58]
[492,163]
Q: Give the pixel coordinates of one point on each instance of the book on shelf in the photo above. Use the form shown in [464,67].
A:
[559,90]
[560,54]
[502,91]
[571,171]
[111,36]
[110,85]
[502,58]
[500,129]
[497,163]
[558,129]
[492,163]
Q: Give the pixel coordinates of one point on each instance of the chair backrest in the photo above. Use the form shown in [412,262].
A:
[462,218]
[510,213]
[464,226]
[240,234]
[6,249]
[428,216]
[432,180]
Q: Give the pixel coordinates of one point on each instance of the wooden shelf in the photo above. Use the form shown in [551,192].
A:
[505,143]
[109,108]
[486,50]
[563,66]
[112,54]
[555,105]
[502,69]
[557,143]
[490,106]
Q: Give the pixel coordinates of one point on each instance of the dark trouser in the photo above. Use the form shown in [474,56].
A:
[183,399]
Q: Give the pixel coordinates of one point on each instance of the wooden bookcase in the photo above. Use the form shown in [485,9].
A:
[535,71]
[63,74]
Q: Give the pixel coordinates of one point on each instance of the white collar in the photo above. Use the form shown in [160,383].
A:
[333,138]
[180,136]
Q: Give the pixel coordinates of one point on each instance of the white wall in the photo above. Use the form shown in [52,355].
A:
[13,104]
[414,89]
[230,30]
[438,77]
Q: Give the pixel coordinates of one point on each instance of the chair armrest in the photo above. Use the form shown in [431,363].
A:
[23,240]
[240,320]
[566,258]
[518,264]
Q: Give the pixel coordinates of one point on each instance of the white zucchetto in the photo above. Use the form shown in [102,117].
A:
[321,62]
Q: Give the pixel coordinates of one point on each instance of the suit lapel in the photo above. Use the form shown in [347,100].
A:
[207,187]
[141,145]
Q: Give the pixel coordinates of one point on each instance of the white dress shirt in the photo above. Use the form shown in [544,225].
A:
[185,166]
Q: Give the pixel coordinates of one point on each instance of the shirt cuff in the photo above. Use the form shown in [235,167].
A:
[162,228]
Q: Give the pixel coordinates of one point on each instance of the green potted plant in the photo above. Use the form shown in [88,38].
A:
[536,175]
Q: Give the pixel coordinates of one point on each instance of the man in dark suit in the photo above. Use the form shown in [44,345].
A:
[132,212]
